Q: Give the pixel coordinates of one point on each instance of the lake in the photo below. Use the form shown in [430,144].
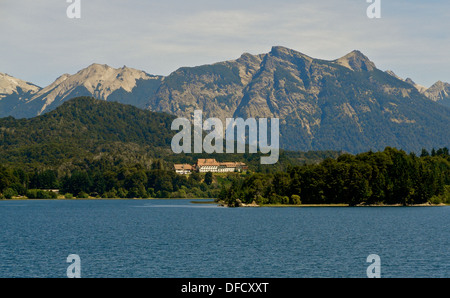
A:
[177,238]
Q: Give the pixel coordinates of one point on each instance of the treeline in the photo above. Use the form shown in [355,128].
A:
[388,177]
[103,180]
[84,129]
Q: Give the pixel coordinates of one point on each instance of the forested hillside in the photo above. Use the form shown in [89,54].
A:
[388,177]
[91,147]
[84,128]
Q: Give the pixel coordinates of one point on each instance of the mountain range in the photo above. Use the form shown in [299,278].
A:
[344,104]
[124,85]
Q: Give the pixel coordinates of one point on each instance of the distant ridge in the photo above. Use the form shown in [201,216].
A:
[125,85]
[346,104]
[85,127]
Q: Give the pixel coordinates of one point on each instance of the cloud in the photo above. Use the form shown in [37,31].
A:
[159,36]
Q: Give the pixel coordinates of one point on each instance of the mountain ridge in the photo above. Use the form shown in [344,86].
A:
[98,80]
[343,104]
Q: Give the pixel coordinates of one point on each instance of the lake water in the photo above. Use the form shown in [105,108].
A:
[176,238]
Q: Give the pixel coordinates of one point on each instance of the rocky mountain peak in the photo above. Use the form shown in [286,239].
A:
[10,85]
[98,80]
[286,53]
[356,61]
[439,92]
[440,85]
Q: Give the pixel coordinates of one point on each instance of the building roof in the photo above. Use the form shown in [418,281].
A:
[207,162]
[183,167]
[229,164]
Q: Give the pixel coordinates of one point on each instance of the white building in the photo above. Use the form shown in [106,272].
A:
[210,165]
[207,165]
[183,169]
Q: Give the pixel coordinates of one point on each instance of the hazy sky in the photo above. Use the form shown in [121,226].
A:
[39,42]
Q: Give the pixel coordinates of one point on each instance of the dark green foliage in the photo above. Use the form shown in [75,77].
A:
[9,193]
[44,180]
[82,128]
[208,178]
[40,194]
[93,148]
[105,149]
[388,177]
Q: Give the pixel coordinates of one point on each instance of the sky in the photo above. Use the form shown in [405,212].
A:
[38,42]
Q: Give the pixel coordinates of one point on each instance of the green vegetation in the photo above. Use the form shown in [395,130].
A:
[91,148]
[84,128]
[388,177]
[102,180]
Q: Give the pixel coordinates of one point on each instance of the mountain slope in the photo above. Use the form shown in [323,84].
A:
[85,127]
[440,93]
[84,130]
[13,92]
[216,89]
[344,104]
[125,85]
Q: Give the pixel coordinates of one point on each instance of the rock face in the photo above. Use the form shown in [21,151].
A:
[439,92]
[216,89]
[345,104]
[13,93]
[125,85]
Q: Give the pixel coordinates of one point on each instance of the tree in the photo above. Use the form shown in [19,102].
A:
[9,193]
[433,152]
[281,183]
[78,182]
[195,177]
[208,178]
[424,153]
[295,200]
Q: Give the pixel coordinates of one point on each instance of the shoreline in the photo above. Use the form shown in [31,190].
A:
[241,205]
[347,205]
[100,199]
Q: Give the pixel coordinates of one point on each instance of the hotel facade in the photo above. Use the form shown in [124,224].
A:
[210,165]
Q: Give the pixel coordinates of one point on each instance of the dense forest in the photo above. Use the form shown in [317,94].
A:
[91,148]
[85,129]
[372,178]
[105,180]
[111,176]
[388,177]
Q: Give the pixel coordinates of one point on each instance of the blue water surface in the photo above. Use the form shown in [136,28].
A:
[177,238]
